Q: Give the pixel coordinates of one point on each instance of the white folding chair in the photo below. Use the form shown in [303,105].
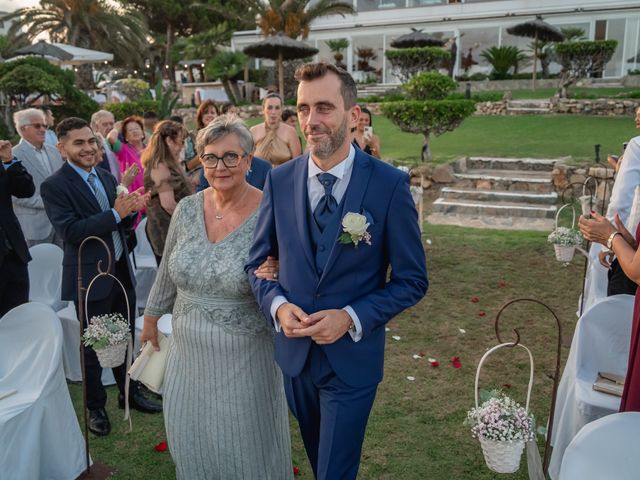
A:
[607,448]
[45,275]
[600,344]
[39,432]
[145,265]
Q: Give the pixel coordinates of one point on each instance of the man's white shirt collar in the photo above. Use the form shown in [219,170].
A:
[339,170]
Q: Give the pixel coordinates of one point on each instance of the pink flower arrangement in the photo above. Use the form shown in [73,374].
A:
[501,419]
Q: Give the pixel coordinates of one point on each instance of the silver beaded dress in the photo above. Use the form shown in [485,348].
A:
[224,406]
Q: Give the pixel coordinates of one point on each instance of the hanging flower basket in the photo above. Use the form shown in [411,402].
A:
[112,356]
[502,425]
[565,239]
[108,336]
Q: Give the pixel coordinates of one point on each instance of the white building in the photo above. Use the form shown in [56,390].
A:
[475,24]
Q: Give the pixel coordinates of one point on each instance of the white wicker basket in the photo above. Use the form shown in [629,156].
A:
[503,456]
[564,253]
[112,356]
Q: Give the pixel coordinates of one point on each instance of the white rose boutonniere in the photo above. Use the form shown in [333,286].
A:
[121,189]
[354,227]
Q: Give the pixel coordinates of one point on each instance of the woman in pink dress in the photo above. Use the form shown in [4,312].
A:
[129,151]
[625,247]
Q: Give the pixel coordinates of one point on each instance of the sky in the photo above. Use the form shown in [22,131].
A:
[11,5]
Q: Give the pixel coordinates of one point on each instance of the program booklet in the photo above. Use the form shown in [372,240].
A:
[609,383]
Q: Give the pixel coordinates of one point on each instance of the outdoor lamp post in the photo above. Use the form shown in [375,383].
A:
[597,150]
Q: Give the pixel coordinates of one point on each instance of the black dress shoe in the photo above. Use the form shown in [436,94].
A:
[99,422]
[138,402]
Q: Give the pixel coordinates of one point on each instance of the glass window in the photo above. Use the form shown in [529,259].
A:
[615,31]
[369,5]
[472,43]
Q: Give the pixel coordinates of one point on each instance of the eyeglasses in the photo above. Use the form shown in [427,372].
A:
[37,126]
[229,159]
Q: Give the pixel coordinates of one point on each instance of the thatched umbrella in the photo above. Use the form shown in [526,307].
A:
[537,29]
[280,47]
[44,49]
[416,39]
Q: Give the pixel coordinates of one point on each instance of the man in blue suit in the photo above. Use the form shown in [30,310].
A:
[336,219]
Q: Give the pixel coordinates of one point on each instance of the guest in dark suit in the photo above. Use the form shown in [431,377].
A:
[256,175]
[81,201]
[14,254]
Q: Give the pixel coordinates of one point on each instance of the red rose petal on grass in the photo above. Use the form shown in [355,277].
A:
[475,299]
[502,284]
[455,362]
[481,313]
[296,470]
[435,364]
[161,447]
[506,385]
[422,354]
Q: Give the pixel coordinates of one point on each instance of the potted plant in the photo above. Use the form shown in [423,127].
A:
[108,335]
[503,427]
[336,46]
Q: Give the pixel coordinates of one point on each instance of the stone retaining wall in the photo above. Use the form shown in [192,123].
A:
[602,107]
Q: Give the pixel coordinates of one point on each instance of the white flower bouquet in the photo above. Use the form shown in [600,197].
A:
[503,427]
[108,336]
[565,237]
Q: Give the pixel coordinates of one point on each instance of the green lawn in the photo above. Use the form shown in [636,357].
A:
[540,136]
[415,430]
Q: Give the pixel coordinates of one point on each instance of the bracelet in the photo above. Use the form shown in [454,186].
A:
[610,239]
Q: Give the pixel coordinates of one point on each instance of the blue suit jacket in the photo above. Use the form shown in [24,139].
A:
[353,276]
[255,177]
[75,214]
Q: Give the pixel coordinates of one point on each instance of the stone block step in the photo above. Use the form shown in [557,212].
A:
[506,180]
[502,163]
[527,111]
[497,209]
[496,196]
[529,103]
[491,221]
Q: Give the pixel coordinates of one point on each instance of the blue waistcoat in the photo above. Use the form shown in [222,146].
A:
[323,242]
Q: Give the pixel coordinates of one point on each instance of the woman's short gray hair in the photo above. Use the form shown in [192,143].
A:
[221,127]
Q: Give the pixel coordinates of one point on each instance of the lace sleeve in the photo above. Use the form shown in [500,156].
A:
[163,292]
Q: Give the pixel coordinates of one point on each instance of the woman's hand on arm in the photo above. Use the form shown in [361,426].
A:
[268,270]
[150,331]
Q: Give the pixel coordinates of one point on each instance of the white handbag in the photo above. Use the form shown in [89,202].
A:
[150,365]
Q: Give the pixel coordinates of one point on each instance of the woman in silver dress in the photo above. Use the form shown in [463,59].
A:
[224,406]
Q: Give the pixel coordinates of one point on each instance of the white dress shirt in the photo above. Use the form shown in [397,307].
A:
[315,191]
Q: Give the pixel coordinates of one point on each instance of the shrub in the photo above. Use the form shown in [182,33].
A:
[409,61]
[125,109]
[429,86]
[503,59]
[428,117]
[582,59]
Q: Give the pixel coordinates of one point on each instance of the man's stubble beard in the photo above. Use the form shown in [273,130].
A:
[324,150]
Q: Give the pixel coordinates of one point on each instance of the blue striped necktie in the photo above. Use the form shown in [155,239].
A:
[103,201]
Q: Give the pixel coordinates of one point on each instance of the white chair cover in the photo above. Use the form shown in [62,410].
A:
[164,326]
[605,449]
[40,437]
[596,281]
[71,347]
[600,344]
[45,275]
[145,266]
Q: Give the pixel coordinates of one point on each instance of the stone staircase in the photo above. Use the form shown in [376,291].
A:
[504,193]
[378,89]
[528,107]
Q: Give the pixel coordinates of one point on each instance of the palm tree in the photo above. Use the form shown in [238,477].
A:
[95,24]
[293,17]
[336,46]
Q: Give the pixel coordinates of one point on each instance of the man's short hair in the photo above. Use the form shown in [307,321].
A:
[68,124]
[313,71]
[22,117]
[98,116]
